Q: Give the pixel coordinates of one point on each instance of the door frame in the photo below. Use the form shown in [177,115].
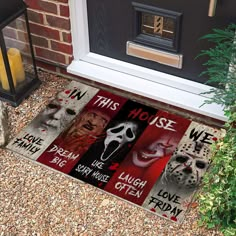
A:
[149,83]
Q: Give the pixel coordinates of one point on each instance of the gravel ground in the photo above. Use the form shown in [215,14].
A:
[35,200]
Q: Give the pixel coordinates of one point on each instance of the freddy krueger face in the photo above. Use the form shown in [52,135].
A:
[90,122]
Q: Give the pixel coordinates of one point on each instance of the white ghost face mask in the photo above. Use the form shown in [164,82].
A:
[117,137]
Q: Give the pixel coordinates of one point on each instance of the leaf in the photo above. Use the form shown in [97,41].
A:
[217,201]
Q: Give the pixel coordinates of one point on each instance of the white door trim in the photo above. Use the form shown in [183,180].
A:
[132,78]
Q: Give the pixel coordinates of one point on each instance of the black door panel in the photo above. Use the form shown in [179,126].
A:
[112,24]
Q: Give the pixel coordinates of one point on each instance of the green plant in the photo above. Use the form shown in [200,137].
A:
[217,200]
[221,65]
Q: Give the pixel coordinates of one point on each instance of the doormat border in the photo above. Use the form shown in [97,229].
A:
[148,157]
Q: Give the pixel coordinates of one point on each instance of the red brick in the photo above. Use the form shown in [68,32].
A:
[45,65]
[61,47]
[42,5]
[18,24]
[39,41]
[23,47]
[44,31]
[10,32]
[35,16]
[58,22]
[71,58]
[64,11]
[66,37]
[50,55]
[23,36]
[63,1]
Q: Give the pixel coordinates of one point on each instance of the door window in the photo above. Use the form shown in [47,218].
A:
[156,27]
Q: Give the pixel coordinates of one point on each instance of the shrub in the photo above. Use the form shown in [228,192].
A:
[217,200]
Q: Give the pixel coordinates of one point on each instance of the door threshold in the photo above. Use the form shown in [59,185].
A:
[152,90]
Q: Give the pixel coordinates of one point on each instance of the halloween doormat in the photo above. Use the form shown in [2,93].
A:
[146,156]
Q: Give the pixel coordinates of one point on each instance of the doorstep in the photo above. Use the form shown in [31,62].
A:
[186,104]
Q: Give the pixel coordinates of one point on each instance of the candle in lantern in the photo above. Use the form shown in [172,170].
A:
[17,67]
[3,74]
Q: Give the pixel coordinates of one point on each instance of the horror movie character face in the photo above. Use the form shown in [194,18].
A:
[57,115]
[156,150]
[91,122]
[117,137]
[188,165]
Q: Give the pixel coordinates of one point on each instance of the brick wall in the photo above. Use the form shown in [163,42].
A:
[50,30]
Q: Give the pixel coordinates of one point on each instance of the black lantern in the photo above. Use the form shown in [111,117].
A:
[18,73]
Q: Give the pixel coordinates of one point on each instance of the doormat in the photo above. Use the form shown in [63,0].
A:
[146,156]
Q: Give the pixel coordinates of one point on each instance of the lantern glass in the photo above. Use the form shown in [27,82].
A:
[18,73]
[19,55]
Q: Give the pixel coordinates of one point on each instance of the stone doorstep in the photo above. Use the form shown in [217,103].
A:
[4,132]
